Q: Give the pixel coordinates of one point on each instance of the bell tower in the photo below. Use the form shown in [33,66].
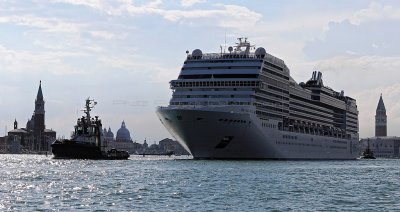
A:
[380,119]
[15,124]
[39,113]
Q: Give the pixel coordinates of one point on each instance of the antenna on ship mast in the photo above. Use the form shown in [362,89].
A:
[225,43]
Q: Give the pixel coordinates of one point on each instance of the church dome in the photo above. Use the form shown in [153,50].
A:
[110,134]
[123,134]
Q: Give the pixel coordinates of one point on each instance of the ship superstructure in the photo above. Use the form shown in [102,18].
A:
[244,104]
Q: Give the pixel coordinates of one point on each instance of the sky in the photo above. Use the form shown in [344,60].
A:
[123,54]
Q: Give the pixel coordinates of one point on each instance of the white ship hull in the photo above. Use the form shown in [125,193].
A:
[234,132]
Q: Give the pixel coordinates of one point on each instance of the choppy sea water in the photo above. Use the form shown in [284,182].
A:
[37,182]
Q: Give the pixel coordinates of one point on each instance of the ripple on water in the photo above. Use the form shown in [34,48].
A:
[35,182]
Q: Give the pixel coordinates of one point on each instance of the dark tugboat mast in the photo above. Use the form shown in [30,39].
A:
[89,108]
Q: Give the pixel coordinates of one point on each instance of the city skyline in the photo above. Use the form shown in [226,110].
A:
[124,53]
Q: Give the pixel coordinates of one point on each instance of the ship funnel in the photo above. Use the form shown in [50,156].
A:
[313,75]
[319,76]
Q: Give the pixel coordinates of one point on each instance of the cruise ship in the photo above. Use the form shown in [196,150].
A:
[243,104]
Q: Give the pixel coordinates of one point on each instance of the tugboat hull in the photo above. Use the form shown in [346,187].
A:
[72,150]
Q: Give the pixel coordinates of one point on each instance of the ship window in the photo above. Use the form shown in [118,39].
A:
[79,130]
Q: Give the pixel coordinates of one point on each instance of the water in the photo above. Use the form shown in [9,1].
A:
[37,182]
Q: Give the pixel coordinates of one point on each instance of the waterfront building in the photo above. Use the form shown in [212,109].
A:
[145,145]
[169,145]
[109,135]
[382,145]
[34,137]
[122,140]
[3,145]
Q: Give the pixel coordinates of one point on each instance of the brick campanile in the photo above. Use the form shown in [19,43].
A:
[380,119]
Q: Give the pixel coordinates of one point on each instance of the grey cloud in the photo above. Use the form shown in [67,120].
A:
[379,38]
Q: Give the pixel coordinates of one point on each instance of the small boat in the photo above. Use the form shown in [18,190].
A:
[87,141]
[168,153]
[368,154]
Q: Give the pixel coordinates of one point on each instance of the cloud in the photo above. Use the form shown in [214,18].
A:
[164,75]
[189,3]
[361,73]
[13,61]
[375,12]
[369,31]
[367,38]
[49,24]
[122,62]
[232,16]
[157,73]
[103,34]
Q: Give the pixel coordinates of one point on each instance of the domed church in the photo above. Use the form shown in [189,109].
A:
[123,140]
[108,134]
[123,134]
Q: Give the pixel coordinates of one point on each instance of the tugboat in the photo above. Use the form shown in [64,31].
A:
[368,154]
[87,141]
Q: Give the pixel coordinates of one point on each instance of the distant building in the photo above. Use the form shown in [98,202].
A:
[35,137]
[123,134]
[169,145]
[380,119]
[4,147]
[122,141]
[382,145]
[109,135]
[145,144]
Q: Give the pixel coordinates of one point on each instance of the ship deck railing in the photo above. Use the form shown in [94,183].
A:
[199,106]
[224,56]
[208,56]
